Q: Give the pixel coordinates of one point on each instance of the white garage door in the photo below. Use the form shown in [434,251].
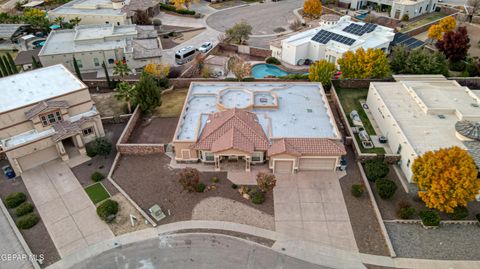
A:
[316,164]
[283,167]
[37,158]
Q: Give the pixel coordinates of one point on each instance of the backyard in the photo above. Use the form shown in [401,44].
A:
[172,104]
[350,100]
[422,20]
[107,105]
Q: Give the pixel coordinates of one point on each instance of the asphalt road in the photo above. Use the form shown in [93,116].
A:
[194,251]
[264,18]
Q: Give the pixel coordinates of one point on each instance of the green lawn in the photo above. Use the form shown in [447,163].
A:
[350,100]
[428,19]
[97,192]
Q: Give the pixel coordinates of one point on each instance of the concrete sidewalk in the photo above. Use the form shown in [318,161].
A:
[68,213]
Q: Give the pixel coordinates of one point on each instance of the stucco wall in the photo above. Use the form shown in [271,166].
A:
[91,19]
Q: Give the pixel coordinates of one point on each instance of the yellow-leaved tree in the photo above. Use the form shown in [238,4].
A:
[446,24]
[158,70]
[183,4]
[446,178]
[322,71]
[312,8]
[362,64]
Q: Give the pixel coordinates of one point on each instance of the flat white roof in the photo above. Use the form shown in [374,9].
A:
[34,86]
[303,110]
[416,105]
[90,7]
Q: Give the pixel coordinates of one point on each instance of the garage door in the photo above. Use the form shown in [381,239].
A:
[316,164]
[283,167]
[34,159]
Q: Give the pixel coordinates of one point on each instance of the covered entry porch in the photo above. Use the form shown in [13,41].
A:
[232,161]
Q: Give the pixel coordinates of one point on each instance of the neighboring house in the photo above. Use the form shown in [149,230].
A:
[118,12]
[397,8]
[91,45]
[217,65]
[288,125]
[330,41]
[25,58]
[45,114]
[419,113]
[9,34]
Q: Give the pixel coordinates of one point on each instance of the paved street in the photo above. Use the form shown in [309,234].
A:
[194,251]
[10,245]
[69,215]
[310,206]
[264,18]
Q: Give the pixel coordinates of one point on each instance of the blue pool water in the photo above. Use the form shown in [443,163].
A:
[263,70]
[361,16]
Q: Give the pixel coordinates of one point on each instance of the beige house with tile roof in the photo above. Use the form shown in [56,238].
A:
[289,126]
[46,114]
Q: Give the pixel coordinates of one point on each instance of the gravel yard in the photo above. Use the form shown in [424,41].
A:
[149,180]
[449,242]
[154,131]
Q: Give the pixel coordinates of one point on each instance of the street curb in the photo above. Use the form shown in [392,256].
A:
[377,212]
[19,235]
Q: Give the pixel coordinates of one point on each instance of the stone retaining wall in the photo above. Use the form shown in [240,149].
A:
[116,119]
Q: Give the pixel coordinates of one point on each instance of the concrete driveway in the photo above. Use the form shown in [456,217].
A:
[68,213]
[310,206]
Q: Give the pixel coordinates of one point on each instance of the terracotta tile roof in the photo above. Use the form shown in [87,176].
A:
[38,108]
[307,146]
[65,129]
[232,128]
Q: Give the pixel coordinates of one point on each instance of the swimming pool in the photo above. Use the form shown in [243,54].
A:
[264,70]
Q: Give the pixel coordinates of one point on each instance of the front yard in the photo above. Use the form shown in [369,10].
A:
[149,180]
[350,100]
[97,192]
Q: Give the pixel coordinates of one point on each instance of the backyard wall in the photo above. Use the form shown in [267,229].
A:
[357,83]
[116,119]
[140,149]
[252,51]
[471,82]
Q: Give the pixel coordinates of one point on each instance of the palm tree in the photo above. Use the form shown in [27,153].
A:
[121,69]
[75,21]
[125,92]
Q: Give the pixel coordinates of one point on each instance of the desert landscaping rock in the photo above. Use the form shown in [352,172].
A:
[222,209]
[122,224]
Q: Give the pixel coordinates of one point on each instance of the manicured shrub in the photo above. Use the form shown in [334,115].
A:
[186,12]
[15,199]
[200,187]
[429,218]
[189,178]
[385,188]
[91,151]
[215,179]
[375,169]
[27,221]
[157,22]
[405,210]
[23,209]
[257,197]
[234,186]
[97,176]
[272,60]
[457,65]
[459,213]
[266,181]
[248,79]
[102,146]
[357,190]
[295,77]
[107,210]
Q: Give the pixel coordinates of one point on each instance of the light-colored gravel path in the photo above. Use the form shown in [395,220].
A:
[222,209]
[449,242]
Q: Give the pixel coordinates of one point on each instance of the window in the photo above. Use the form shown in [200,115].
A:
[408,163]
[48,119]
[111,61]
[96,62]
[88,131]
[79,63]
[257,156]
[399,149]
[208,156]
[420,10]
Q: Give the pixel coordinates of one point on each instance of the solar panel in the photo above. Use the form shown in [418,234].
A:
[359,30]
[403,39]
[324,36]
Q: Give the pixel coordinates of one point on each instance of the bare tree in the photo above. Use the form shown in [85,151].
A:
[239,67]
[474,7]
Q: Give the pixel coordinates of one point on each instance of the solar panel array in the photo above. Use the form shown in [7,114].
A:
[403,39]
[360,30]
[325,36]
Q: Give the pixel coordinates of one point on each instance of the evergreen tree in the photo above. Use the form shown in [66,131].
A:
[13,66]
[147,93]
[109,82]
[3,68]
[35,64]
[7,65]
[77,69]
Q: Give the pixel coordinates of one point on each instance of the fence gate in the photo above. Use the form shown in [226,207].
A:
[244,49]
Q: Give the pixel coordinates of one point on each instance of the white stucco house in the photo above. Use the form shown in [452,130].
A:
[398,8]
[331,40]
[420,113]
[91,45]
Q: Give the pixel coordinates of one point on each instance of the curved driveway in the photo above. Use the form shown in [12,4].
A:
[264,18]
[194,251]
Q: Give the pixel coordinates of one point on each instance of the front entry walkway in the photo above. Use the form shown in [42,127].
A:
[310,206]
[69,215]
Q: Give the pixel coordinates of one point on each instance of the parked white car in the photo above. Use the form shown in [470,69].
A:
[205,47]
